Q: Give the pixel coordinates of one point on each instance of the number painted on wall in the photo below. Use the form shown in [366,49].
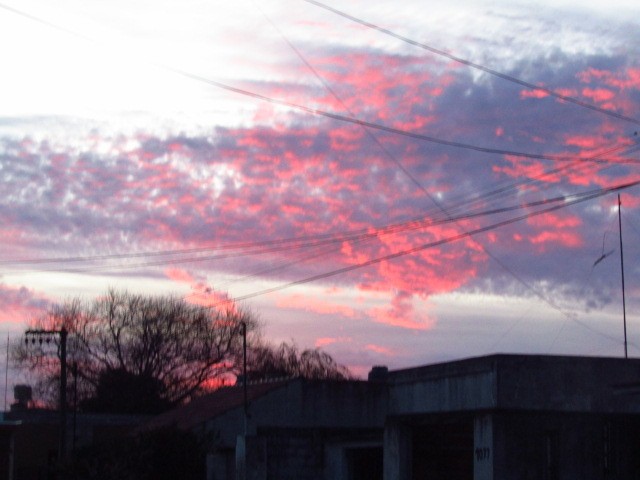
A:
[482,453]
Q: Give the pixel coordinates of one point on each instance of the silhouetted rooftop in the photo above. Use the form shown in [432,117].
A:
[211,405]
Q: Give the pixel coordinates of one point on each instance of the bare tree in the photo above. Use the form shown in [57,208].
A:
[162,341]
[286,360]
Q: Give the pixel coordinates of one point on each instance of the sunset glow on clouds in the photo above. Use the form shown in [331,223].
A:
[19,303]
[138,167]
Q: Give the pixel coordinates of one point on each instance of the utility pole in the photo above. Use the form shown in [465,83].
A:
[244,375]
[241,445]
[46,335]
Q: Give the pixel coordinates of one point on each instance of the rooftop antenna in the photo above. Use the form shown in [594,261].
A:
[624,310]
[604,255]
[6,375]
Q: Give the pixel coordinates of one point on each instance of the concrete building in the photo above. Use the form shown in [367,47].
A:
[515,417]
[294,429]
[497,417]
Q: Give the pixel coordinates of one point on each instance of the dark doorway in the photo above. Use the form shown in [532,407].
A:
[365,463]
[443,451]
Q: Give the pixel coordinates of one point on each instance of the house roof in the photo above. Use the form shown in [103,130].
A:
[211,405]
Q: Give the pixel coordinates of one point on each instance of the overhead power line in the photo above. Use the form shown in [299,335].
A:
[450,239]
[336,116]
[448,212]
[394,130]
[335,95]
[309,241]
[371,125]
[505,189]
[477,66]
[294,243]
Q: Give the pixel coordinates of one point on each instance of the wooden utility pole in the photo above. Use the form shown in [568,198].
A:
[244,375]
[62,333]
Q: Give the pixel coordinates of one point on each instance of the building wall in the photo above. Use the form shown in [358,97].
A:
[431,447]
[305,404]
[561,446]
[305,454]
[294,455]
[483,447]
[568,384]
[512,446]
[519,382]
[473,391]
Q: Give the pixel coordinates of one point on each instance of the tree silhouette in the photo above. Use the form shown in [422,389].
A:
[130,347]
[120,391]
[266,362]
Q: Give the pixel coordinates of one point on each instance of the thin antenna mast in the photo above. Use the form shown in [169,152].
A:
[624,310]
[6,375]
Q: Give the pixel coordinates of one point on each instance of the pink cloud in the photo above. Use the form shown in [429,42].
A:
[585,174]
[212,298]
[386,86]
[555,228]
[533,94]
[179,275]
[325,341]
[295,175]
[566,239]
[402,314]
[598,94]
[555,220]
[18,305]
[429,271]
[300,302]
[388,352]
[582,141]
[628,78]
[201,293]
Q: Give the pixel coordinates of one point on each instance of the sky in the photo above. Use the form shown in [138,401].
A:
[395,183]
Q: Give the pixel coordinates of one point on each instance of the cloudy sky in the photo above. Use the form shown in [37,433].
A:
[397,183]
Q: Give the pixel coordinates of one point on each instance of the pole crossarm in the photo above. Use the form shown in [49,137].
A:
[41,333]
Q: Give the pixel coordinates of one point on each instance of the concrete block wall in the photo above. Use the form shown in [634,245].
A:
[561,446]
[294,456]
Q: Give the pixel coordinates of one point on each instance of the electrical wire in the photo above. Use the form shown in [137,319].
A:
[393,130]
[339,117]
[428,245]
[309,241]
[296,243]
[501,191]
[447,211]
[385,128]
[477,66]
